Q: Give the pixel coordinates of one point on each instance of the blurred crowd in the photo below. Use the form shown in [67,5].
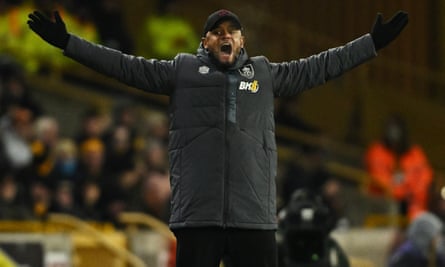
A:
[117,160]
[106,167]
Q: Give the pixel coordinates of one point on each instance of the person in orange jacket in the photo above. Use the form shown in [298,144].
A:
[399,169]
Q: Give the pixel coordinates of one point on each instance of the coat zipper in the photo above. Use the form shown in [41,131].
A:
[230,117]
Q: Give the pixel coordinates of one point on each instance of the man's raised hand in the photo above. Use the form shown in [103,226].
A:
[53,32]
[384,33]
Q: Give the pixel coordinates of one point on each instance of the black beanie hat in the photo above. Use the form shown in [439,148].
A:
[218,16]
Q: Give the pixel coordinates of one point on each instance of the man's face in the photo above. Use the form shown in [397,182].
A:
[224,42]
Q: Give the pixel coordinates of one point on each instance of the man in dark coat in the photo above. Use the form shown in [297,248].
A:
[222,148]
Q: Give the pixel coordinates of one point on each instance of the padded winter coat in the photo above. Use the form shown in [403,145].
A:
[223,156]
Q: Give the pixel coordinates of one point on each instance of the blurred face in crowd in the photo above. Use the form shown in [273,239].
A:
[64,196]
[224,42]
[22,118]
[121,139]
[15,87]
[93,154]
[156,190]
[91,193]
[47,130]
[8,189]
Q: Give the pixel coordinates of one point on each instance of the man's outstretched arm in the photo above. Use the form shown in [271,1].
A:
[292,77]
[154,76]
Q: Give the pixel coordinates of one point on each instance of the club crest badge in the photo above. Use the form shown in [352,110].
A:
[203,69]
[247,71]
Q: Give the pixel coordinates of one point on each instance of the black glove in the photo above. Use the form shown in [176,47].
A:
[383,33]
[53,32]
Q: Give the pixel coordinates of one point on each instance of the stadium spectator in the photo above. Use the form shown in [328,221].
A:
[122,191]
[399,168]
[93,126]
[153,156]
[66,161]
[46,136]
[64,200]
[154,198]
[423,246]
[91,161]
[91,201]
[120,153]
[12,206]
[156,126]
[39,199]
[16,132]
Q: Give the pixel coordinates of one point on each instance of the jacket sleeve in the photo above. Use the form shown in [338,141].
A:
[292,77]
[155,76]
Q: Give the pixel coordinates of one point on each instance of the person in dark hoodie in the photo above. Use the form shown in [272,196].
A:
[222,148]
[423,246]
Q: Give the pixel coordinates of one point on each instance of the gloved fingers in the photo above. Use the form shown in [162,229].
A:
[34,28]
[400,19]
[58,18]
[378,19]
[399,22]
[36,22]
[33,18]
[38,19]
[41,16]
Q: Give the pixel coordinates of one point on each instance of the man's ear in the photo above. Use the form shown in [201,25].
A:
[242,41]
[204,42]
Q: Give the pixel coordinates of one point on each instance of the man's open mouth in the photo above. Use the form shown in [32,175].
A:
[226,49]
